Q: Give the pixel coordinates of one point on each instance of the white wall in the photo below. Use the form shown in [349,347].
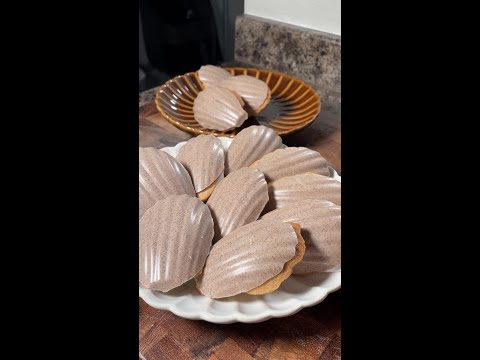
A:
[323,15]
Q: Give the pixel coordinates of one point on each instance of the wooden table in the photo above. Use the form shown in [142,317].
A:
[312,333]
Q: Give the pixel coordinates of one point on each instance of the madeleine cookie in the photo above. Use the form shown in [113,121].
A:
[309,186]
[291,161]
[212,75]
[203,157]
[219,109]
[274,283]
[160,175]
[253,91]
[255,258]
[238,200]
[175,239]
[320,221]
[249,145]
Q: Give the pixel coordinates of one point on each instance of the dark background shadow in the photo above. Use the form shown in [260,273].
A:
[179,36]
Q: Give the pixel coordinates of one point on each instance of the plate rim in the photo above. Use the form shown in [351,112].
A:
[148,296]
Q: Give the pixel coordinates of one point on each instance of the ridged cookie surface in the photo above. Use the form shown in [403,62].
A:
[219,109]
[291,161]
[320,223]
[238,200]
[247,258]
[249,145]
[253,91]
[175,239]
[212,75]
[290,189]
[160,175]
[203,157]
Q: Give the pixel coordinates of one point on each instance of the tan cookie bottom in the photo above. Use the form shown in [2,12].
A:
[205,193]
[275,282]
[255,164]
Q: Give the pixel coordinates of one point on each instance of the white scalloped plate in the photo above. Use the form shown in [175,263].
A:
[296,293]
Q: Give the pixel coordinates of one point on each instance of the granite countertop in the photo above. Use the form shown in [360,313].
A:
[309,55]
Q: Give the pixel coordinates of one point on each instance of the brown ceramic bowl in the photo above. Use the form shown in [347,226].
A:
[293,104]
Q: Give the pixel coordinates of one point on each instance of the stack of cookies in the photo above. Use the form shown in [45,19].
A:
[227,101]
[237,220]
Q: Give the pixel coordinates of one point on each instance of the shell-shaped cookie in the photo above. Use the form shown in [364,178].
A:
[238,200]
[247,258]
[175,239]
[219,109]
[320,223]
[253,91]
[160,175]
[203,157]
[291,161]
[212,75]
[291,189]
[249,145]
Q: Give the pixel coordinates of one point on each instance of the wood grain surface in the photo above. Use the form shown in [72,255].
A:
[312,333]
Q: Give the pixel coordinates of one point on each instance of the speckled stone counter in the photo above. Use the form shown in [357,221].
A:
[310,55]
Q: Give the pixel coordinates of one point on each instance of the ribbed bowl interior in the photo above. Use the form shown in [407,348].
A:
[293,104]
